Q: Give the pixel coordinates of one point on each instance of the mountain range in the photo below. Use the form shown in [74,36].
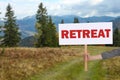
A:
[27,25]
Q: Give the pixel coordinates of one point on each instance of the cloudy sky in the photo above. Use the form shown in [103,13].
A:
[83,8]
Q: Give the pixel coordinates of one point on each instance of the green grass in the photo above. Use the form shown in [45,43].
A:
[74,69]
[64,63]
[64,71]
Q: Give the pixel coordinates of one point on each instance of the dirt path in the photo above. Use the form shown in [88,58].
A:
[71,70]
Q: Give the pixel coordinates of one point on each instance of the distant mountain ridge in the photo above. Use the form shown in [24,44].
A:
[27,24]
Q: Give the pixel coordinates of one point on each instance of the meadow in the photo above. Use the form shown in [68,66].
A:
[63,63]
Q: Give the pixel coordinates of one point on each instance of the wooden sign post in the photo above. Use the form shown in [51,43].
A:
[85,34]
[86,58]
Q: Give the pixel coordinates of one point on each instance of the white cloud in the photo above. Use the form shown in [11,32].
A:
[87,8]
[95,2]
[72,2]
[2,8]
[83,8]
[92,13]
[21,8]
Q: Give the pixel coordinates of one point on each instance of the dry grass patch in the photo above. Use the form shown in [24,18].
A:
[20,63]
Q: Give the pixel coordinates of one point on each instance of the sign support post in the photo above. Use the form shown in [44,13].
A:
[85,58]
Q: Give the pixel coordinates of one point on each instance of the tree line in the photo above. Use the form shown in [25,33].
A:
[46,33]
[10,29]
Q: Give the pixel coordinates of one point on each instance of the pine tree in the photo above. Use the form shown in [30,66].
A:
[0,32]
[42,20]
[11,33]
[51,37]
[46,31]
[116,37]
[62,21]
[76,20]
[0,25]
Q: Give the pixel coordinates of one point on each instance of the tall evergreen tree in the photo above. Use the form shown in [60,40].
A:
[62,21]
[116,37]
[46,30]
[52,34]
[11,33]
[0,25]
[41,24]
[42,20]
[76,20]
[0,32]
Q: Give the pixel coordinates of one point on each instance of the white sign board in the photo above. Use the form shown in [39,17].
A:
[85,33]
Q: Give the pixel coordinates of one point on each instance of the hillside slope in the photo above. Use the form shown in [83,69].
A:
[64,63]
[74,69]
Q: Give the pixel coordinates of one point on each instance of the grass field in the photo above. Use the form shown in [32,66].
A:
[64,63]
